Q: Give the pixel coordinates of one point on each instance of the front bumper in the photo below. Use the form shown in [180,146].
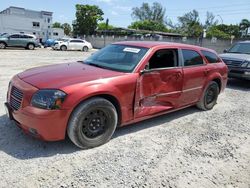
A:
[239,73]
[56,47]
[49,125]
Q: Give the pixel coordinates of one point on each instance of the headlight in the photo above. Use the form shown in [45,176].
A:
[48,99]
[246,64]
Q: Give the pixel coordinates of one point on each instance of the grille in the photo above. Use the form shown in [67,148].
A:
[232,63]
[16,97]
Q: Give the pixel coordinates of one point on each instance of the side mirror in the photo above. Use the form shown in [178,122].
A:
[145,70]
[225,51]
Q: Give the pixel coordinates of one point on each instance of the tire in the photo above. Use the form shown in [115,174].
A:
[85,49]
[63,48]
[31,46]
[92,123]
[209,97]
[2,45]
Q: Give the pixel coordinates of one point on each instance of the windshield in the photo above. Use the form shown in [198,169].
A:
[116,57]
[241,48]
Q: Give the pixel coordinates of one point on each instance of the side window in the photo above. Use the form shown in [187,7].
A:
[14,36]
[164,58]
[192,58]
[211,57]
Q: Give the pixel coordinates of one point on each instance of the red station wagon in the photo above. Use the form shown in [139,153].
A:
[123,83]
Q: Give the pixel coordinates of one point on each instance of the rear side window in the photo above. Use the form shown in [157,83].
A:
[192,58]
[211,57]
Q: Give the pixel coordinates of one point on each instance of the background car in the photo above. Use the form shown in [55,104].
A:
[237,58]
[19,40]
[49,43]
[73,44]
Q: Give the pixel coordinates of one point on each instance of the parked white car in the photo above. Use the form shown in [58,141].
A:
[73,44]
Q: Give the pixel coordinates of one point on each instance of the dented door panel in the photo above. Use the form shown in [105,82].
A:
[158,91]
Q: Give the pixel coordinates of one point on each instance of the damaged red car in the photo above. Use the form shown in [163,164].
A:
[121,84]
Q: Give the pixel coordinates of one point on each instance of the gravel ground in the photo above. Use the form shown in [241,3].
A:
[188,148]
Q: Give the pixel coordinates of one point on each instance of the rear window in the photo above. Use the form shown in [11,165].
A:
[192,58]
[211,57]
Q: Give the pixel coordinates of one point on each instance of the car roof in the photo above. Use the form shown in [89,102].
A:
[152,44]
[246,41]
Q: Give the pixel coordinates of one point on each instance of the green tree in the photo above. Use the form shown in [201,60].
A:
[102,26]
[244,25]
[224,31]
[87,17]
[155,13]
[56,25]
[148,25]
[189,24]
[67,28]
[149,17]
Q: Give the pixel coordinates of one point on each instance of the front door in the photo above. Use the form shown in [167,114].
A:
[159,87]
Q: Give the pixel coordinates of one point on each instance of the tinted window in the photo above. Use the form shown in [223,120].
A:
[192,58]
[211,57]
[241,48]
[14,36]
[78,41]
[163,59]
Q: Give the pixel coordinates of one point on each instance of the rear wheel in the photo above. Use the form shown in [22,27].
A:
[31,46]
[2,45]
[85,49]
[92,123]
[209,97]
[63,48]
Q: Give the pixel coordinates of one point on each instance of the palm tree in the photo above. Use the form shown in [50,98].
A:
[244,25]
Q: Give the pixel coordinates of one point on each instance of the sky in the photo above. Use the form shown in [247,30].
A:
[119,11]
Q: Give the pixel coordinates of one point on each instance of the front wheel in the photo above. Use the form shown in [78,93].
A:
[63,48]
[92,123]
[2,45]
[209,97]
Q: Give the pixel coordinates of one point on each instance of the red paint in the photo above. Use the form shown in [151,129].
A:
[140,96]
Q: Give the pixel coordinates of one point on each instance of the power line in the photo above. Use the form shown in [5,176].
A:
[205,8]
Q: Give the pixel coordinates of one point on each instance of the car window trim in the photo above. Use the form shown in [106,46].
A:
[161,69]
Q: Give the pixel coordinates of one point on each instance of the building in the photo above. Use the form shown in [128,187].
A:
[20,20]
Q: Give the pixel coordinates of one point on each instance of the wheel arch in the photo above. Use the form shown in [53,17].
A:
[108,97]
[29,44]
[218,81]
[4,43]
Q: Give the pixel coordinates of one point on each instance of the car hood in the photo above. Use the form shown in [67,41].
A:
[61,75]
[234,56]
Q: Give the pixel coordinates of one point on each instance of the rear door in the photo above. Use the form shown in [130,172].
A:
[195,72]
[159,87]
